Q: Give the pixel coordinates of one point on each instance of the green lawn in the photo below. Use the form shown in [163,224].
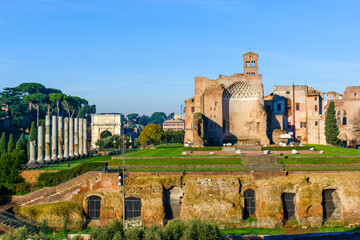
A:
[74,163]
[320,160]
[251,231]
[335,151]
[173,150]
[177,161]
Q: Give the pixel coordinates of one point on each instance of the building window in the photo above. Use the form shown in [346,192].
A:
[249,209]
[278,106]
[302,124]
[192,100]
[210,109]
[216,104]
[344,120]
[315,98]
[94,205]
[288,205]
[214,116]
[287,92]
[297,106]
[132,207]
[252,63]
[247,63]
[210,116]
[316,108]
[247,74]
[192,109]
[316,123]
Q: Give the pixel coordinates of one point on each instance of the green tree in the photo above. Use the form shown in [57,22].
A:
[331,128]
[132,116]
[35,100]
[11,143]
[57,98]
[3,144]
[144,120]
[21,143]
[158,118]
[152,133]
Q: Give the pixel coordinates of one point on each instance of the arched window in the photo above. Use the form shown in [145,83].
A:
[94,205]
[249,209]
[344,119]
[331,204]
[288,200]
[132,207]
[338,117]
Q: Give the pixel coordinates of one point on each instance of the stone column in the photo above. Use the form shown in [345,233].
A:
[85,137]
[32,153]
[66,138]
[80,137]
[47,139]
[71,138]
[76,137]
[60,139]
[40,140]
[54,139]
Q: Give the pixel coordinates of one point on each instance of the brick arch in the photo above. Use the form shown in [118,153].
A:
[86,201]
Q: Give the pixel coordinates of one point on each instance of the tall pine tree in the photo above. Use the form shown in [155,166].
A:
[11,144]
[3,144]
[331,128]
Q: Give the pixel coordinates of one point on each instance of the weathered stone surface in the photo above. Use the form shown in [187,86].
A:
[220,196]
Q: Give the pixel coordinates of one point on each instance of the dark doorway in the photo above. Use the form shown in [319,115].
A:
[132,208]
[94,205]
[172,202]
[288,200]
[331,204]
[249,206]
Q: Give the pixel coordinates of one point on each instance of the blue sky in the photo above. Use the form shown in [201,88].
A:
[142,55]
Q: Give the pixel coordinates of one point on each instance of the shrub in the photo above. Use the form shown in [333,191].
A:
[113,231]
[154,233]
[174,230]
[50,179]
[201,230]
[22,188]
[133,234]
[202,148]
[20,234]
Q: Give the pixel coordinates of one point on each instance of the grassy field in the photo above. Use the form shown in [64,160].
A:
[178,161]
[173,150]
[335,151]
[74,163]
[320,160]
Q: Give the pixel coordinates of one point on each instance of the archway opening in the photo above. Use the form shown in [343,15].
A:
[172,202]
[105,134]
[132,208]
[331,204]
[94,206]
[288,200]
[249,204]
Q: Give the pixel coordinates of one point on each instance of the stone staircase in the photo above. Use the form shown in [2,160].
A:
[261,163]
[9,223]
[51,194]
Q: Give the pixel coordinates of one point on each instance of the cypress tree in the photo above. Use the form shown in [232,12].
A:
[11,144]
[331,128]
[32,135]
[21,143]
[3,144]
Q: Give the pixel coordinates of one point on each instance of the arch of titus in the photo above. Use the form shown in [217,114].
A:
[105,122]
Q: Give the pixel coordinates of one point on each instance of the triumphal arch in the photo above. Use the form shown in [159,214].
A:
[105,124]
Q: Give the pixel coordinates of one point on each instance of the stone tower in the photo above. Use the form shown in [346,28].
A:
[250,64]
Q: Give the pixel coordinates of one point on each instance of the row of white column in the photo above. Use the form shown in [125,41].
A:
[68,140]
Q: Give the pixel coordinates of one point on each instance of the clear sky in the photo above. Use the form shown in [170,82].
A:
[142,55]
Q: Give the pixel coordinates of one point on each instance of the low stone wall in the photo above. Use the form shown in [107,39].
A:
[31,176]
[219,196]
